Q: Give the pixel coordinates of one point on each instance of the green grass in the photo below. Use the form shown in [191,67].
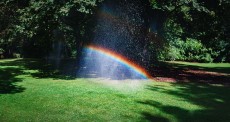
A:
[208,65]
[27,94]
[213,67]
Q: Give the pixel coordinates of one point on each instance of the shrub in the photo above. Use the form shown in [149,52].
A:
[189,50]
[206,58]
[16,55]
[1,53]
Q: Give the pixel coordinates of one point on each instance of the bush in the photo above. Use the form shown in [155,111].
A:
[206,58]
[16,55]
[1,53]
[189,50]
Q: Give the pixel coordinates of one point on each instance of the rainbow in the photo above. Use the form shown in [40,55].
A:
[121,59]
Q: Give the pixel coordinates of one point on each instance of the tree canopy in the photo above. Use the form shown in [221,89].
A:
[190,30]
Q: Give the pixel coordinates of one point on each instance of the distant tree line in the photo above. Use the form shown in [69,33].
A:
[185,30]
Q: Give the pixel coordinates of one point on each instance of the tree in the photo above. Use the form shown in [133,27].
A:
[34,23]
[8,19]
[205,21]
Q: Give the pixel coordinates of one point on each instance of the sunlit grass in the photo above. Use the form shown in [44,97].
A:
[96,99]
[208,65]
[213,67]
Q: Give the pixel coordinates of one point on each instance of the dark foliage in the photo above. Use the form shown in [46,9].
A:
[60,29]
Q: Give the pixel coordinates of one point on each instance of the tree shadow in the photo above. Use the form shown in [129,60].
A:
[153,118]
[8,80]
[214,99]
[46,69]
[67,69]
[182,73]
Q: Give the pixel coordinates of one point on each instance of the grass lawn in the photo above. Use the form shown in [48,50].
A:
[215,67]
[30,91]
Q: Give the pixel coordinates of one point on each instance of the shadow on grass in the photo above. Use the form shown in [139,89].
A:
[8,80]
[215,101]
[67,70]
[182,72]
[153,118]
[45,69]
[37,68]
